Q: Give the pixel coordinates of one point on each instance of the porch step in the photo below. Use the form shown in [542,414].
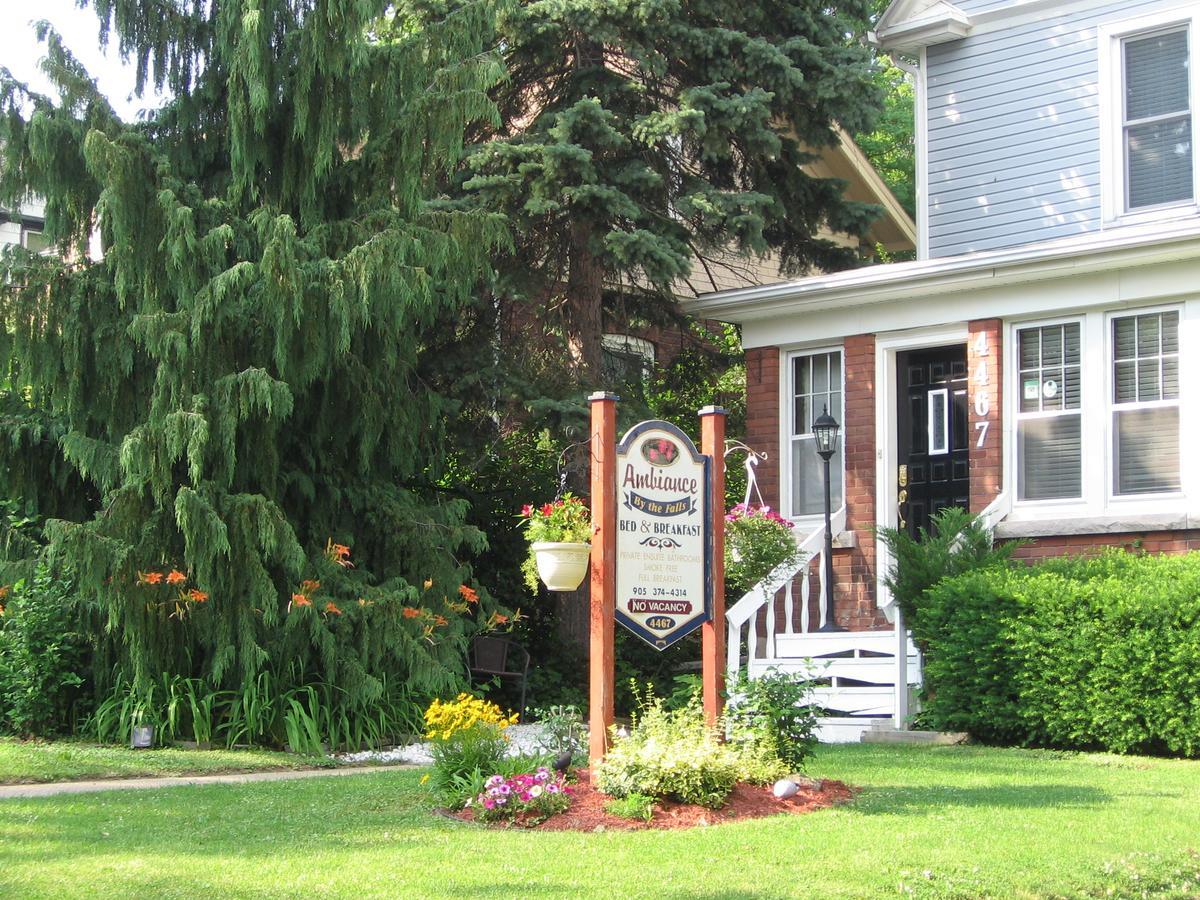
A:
[845,729]
[885,733]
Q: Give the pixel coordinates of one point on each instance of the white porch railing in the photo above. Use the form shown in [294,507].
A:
[742,618]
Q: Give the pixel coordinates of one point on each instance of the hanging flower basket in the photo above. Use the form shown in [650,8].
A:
[558,536]
[561,565]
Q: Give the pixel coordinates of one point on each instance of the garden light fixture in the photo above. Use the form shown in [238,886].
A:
[825,432]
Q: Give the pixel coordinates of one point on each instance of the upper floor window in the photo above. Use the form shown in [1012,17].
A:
[1157,119]
[815,386]
[1148,93]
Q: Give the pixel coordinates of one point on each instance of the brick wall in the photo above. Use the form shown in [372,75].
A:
[1150,541]
[985,376]
[854,568]
[762,417]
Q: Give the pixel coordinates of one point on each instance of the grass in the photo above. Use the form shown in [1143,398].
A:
[31,762]
[929,822]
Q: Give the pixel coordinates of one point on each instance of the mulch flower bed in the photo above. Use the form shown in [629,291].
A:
[747,801]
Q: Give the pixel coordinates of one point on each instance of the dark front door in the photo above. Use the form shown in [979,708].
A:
[933,442]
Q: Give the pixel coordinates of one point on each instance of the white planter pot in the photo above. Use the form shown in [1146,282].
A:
[562,566]
[141,737]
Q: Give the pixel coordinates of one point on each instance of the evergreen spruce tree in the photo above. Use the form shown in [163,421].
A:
[641,136]
[233,388]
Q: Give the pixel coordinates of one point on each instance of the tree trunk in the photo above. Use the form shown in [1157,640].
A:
[582,311]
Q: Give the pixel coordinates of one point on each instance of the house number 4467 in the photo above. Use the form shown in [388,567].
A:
[983,396]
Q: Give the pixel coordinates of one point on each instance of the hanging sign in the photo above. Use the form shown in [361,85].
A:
[664,534]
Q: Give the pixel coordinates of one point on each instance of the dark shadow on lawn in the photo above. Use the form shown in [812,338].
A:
[887,800]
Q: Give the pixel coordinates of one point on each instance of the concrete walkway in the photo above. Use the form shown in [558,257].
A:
[12,791]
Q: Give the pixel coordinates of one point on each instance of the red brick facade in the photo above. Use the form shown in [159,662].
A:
[985,378]
[1149,541]
[854,568]
[762,417]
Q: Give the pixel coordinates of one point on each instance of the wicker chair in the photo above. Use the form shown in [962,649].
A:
[497,657]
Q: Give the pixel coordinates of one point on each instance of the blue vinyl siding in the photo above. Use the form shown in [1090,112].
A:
[1014,141]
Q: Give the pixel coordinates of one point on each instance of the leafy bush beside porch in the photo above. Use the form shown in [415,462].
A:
[1098,652]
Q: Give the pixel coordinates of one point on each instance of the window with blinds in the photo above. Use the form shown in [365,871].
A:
[1049,413]
[1145,403]
[816,385]
[1157,119]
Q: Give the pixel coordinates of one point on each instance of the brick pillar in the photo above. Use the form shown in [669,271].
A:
[985,373]
[854,568]
[762,417]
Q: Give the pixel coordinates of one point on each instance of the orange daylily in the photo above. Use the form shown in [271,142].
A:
[410,613]
[332,609]
[176,577]
[307,587]
[197,596]
[150,577]
[338,553]
[469,594]
[440,621]
[301,600]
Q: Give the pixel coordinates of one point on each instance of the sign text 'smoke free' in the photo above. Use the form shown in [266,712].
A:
[664,534]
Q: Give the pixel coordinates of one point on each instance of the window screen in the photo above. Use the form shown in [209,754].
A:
[1049,445]
[1157,119]
[816,386]
[1146,403]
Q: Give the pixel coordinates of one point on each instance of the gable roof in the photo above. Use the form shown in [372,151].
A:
[909,25]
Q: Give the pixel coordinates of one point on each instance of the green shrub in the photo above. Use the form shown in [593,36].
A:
[1096,652]
[770,718]
[670,754]
[633,806]
[45,658]
[956,543]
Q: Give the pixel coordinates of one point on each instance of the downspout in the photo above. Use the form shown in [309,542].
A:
[920,148]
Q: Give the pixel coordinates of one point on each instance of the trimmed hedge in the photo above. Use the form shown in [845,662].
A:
[1089,653]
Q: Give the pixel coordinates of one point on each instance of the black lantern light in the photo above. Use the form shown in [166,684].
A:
[825,433]
[825,430]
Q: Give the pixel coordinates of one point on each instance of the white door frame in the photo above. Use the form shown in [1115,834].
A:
[887,345]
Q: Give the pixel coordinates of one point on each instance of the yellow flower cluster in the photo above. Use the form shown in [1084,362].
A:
[444,720]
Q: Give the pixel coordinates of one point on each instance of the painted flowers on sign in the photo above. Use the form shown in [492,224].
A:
[660,452]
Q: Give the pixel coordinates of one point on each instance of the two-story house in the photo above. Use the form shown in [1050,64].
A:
[1040,361]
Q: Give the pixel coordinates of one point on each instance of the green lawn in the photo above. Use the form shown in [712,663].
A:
[28,762]
[953,822]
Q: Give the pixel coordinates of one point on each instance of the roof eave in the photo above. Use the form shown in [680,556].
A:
[926,278]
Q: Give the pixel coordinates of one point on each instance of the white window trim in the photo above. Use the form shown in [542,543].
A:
[787,405]
[629,345]
[1096,409]
[1013,363]
[1111,407]
[1111,107]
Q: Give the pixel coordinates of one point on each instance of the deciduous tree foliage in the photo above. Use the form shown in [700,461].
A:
[640,135]
[237,378]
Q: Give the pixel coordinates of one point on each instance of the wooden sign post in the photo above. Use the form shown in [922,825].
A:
[712,445]
[658,561]
[601,708]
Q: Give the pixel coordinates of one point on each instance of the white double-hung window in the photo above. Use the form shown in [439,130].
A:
[1145,403]
[814,385]
[1148,95]
[1096,402]
[1049,412]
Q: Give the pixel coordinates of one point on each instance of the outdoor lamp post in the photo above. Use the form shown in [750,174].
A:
[825,432]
